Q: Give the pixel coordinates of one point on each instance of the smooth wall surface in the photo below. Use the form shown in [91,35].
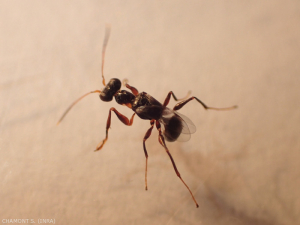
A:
[242,165]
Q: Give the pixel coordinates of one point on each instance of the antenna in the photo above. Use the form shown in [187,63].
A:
[106,37]
[70,107]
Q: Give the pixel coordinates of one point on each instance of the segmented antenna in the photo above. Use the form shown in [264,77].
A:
[70,107]
[106,37]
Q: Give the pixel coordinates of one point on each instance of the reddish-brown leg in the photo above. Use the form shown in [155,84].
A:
[162,142]
[181,104]
[147,135]
[132,89]
[121,117]
[175,98]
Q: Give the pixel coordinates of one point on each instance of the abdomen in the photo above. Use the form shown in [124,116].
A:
[173,128]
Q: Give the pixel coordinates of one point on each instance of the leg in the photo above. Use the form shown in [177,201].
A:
[132,89]
[162,142]
[175,98]
[181,104]
[121,117]
[147,135]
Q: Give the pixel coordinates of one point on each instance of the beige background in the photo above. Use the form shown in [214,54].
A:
[242,165]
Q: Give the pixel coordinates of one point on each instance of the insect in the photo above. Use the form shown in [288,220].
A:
[170,124]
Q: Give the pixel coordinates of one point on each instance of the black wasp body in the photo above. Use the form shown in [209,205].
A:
[170,124]
[146,107]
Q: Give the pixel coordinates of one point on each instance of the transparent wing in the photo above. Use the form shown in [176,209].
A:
[189,127]
[176,127]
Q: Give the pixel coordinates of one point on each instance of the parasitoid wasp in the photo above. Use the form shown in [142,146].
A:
[174,125]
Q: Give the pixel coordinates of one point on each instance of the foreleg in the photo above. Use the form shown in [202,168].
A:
[121,117]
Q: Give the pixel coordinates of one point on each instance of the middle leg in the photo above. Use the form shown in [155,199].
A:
[181,104]
[175,98]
